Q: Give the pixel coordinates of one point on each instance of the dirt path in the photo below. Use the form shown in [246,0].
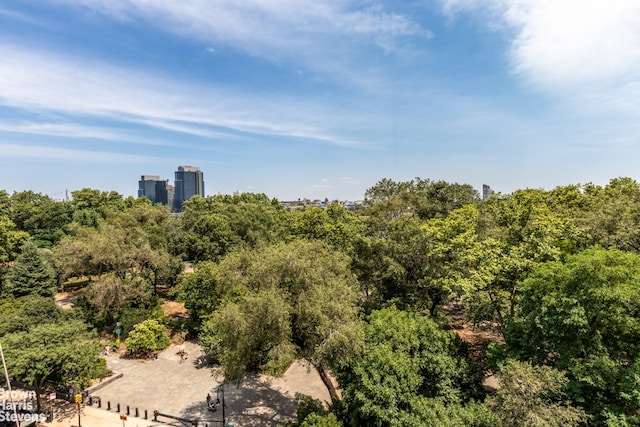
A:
[476,339]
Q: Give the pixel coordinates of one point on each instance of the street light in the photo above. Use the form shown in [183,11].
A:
[220,400]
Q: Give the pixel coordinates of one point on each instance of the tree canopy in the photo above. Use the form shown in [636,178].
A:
[372,294]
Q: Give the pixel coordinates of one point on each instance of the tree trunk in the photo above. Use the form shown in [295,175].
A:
[38,388]
[328,383]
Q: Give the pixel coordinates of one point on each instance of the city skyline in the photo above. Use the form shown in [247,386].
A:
[322,99]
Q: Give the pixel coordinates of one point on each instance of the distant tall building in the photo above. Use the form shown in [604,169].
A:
[154,189]
[189,182]
[486,191]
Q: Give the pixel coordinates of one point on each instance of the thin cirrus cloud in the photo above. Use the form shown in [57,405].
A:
[72,130]
[324,36]
[39,81]
[20,151]
[265,27]
[583,48]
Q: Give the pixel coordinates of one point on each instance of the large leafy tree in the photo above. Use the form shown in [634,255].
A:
[533,396]
[42,217]
[335,225]
[11,238]
[65,352]
[134,242]
[423,197]
[21,314]
[31,274]
[411,373]
[90,206]
[517,232]
[213,226]
[392,261]
[588,305]
[289,300]
[583,316]
[203,290]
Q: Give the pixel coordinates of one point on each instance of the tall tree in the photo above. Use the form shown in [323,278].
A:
[11,238]
[533,396]
[411,373]
[422,197]
[215,225]
[125,243]
[31,274]
[297,299]
[66,353]
[517,233]
[583,316]
[42,217]
[91,206]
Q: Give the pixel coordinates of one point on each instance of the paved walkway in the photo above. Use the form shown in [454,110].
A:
[180,388]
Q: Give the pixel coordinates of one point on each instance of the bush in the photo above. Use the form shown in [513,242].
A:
[146,337]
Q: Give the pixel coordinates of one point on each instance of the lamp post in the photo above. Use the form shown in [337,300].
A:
[220,400]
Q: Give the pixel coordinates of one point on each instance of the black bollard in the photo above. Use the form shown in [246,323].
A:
[137,413]
[145,415]
[128,410]
[108,405]
[118,406]
[99,403]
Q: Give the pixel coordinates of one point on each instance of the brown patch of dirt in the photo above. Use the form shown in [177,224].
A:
[65,300]
[174,309]
[475,337]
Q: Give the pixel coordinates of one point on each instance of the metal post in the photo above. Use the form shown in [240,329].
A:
[118,406]
[128,410]
[137,413]
[6,375]
[108,405]
[224,420]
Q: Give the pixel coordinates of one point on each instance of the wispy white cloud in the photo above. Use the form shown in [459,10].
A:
[585,48]
[39,81]
[72,130]
[346,180]
[324,36]
[264,27]
[22,151]
[21,17]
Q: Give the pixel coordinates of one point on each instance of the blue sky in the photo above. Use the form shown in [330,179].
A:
[317,98]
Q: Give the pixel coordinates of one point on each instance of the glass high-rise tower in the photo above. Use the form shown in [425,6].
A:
[189,182]
[154,189]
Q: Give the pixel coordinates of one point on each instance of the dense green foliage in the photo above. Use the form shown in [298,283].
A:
[32,274]
[277,303]
[533,396]
[368,293]
[45,345]
[147,336]
[410,373]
